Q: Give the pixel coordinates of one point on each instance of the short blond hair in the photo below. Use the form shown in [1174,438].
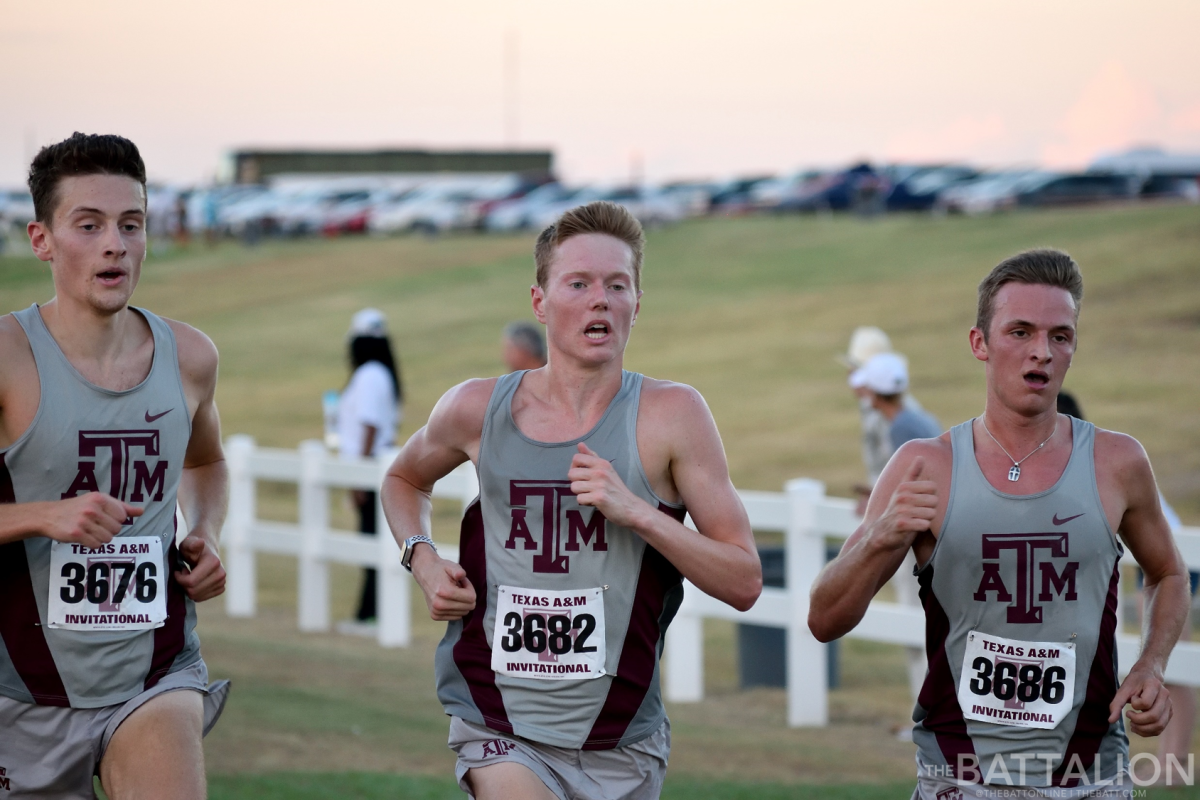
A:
[599,216]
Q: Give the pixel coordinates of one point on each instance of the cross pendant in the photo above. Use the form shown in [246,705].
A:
[1014,473]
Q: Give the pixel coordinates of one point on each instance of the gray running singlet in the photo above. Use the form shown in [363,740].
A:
[1020,602]
[131,445]
[574,602]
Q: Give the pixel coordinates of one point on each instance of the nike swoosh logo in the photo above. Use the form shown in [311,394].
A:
[150,418]
[1058,521]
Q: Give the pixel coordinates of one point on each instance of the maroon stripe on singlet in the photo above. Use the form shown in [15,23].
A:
[639,652]
[944,716]
[170,638]
[472,655]
[1092,724]
[20,625]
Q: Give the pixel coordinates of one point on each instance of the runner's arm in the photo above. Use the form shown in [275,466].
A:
[722,561]
[204,486]
[1166,596]
[450,438]
[902,507]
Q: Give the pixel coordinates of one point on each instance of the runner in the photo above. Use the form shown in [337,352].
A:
[1014,517]
[574,554]
[106,413]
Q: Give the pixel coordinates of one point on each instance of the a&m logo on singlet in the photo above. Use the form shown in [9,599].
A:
[1036,578]
[132,475]
[561,531]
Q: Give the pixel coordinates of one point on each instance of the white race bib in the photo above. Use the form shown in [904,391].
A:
[549,635]
[118,586]
[1010,682]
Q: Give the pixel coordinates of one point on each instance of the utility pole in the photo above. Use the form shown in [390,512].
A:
[512,43]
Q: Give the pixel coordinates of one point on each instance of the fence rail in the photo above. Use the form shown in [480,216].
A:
[802,512]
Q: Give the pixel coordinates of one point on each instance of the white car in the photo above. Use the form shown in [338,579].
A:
[441,205]
[990,193]
[515,215]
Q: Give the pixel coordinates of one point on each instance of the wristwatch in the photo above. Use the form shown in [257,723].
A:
[409,544]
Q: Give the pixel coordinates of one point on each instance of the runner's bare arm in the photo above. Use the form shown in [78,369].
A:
[901,509]
[90,519]
[1148,536]
[722,561]
[450,438]
[204,487]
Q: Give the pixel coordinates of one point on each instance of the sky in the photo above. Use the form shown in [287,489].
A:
[619,89]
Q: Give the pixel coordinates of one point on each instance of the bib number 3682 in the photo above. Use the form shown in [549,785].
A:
[1012,682]
[549,635]
[119,586]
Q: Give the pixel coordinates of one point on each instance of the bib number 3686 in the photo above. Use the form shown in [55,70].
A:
[1012,682]
[549,635]
[116,587]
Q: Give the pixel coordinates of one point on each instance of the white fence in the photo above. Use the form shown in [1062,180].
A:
[802,513]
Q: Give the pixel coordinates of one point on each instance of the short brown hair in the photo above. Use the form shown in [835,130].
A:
[1044,267]
[599,216]
[82,154]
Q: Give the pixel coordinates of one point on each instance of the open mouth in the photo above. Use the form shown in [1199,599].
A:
[596,331]
[110,275]
[1037,380]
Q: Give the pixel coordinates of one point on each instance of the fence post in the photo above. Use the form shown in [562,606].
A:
[808,699]
[393,593]
[312,602]
[685,657]
[240,567]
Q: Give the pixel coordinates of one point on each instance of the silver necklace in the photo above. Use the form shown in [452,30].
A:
[1014,474]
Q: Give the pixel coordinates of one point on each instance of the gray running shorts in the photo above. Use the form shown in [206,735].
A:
[633,772]
[53,752]
[949,789]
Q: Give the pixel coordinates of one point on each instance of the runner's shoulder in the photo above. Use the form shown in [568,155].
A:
[668,400]
[198,355]
[937,453]
[1121,453]
[14,345]
[464,406]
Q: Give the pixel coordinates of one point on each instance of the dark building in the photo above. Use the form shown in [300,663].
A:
[254,166]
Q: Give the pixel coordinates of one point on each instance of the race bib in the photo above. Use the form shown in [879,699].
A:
[549,635]
[118,586]
[1010,682]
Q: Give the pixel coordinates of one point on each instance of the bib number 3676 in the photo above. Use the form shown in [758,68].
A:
[549,635]
[119,586]
[1012,682]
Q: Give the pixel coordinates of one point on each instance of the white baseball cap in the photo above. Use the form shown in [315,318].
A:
[865,342]
[369,322]
[885,373]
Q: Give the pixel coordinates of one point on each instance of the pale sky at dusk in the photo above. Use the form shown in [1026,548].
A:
[698,88]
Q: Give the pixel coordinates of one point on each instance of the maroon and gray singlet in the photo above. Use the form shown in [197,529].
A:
[1020,602]
[563,645]
[81,628]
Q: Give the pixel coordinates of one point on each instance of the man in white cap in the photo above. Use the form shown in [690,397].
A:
[884,379]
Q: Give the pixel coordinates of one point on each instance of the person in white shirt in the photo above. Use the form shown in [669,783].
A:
[369,413]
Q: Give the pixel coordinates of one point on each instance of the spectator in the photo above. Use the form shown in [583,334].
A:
[885,377]
[368,415]
[524,346]
[866,342]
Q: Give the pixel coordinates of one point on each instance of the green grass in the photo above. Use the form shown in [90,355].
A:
[750,311]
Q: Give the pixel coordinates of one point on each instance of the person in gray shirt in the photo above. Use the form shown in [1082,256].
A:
[885,379]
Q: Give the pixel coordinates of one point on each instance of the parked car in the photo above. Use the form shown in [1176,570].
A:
[989,193]
[1078,189]
[519,214]
[860,188]
[919,189]
[735,196]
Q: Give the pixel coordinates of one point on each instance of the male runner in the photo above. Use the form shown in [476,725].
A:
[1013,518]
[106,417]
[573,555]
